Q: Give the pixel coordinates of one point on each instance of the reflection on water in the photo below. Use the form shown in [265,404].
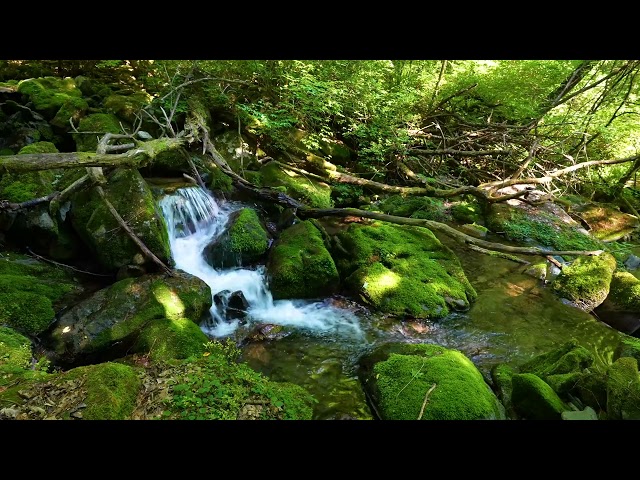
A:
[514,318]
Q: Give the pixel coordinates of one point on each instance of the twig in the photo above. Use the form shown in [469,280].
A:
[426,398]
[63,265]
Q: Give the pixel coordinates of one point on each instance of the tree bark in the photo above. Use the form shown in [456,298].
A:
[140,156]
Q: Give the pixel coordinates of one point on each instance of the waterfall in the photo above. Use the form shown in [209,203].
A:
[194,219]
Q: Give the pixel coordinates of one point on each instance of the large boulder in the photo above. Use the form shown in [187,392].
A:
[132,198]
[57,99]
[300,266]
[402,270]
[428,382]
[113,320]
[586,282]
[312,193]
[244,242]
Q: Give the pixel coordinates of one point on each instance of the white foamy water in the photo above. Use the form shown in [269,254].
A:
[193,220]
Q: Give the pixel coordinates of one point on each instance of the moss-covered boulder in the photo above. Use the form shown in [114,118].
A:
[112,321]
[244,242]
[58,99]
[467,211]
[454,389]
[501,375]
[300,266]
[547,226]
[534,399]
[165,339]
[606,222]
[15,350]
[132,198]
[310,192]
[96,122]
[31,292]
[624,292]
[414,207]
[237,151]
[402,270]
[126,107]
[586,282]
[567,358]
[623,390]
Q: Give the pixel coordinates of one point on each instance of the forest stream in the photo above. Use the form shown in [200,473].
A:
[514,318]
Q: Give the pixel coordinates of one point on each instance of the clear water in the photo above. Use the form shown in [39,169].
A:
[514,318]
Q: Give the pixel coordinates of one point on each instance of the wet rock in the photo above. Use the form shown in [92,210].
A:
[231,305]
[632,262]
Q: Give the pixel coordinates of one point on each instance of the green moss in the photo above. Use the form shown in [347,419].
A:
[625,290]
[460,391]
[414,207]
[15,349]
[591,389]
[568,358]
[534,399]
[126,106]
[28,283]
[220,181]
[564,383]
[247,234]
[49,94]
[216,387]
[543,229]
[402,270]
[299,265]
[111,389]
[97,122]
[310,192]
[623,390]
[628,347]
[73,108]
[28,313]
[132,198]
[501,375]
[586,280]
[467,212]
[166,339]
[38,147]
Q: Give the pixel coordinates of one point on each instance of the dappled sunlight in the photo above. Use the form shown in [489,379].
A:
[173,305]
[383,282]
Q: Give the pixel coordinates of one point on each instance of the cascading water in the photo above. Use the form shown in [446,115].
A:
[194,219]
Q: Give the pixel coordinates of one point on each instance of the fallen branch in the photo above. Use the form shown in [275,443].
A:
[426,398]
[506,256]
[35,255]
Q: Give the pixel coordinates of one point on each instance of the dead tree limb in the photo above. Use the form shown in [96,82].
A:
[137,157]
[438,227]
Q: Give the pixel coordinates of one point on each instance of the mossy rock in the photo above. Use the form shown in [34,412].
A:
[501,375]
[166,339]
[586,282]
[237,152]
[624,291]
[542,228]
[50,94]
[414,207]
[133,200]
[399,385]
[310,192]
[15,349]
[606,222]
[467,211]
[568,358]
[244,242]
[591,389]
[300,266]
[534,399]
[623,390]
[97,122]
[402,270]
[31,292]
[72,110]
[126,107]
[112,321]
[220,182]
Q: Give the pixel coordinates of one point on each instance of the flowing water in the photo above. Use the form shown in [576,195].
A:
[514,318]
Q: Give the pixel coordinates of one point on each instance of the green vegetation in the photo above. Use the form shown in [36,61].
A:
[216,387]
[587,280]
[460,392]
[402,270]
[299,265]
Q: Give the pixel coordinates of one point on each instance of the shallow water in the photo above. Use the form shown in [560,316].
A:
[514,318]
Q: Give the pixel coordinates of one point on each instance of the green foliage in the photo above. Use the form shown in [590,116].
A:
[216,387]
